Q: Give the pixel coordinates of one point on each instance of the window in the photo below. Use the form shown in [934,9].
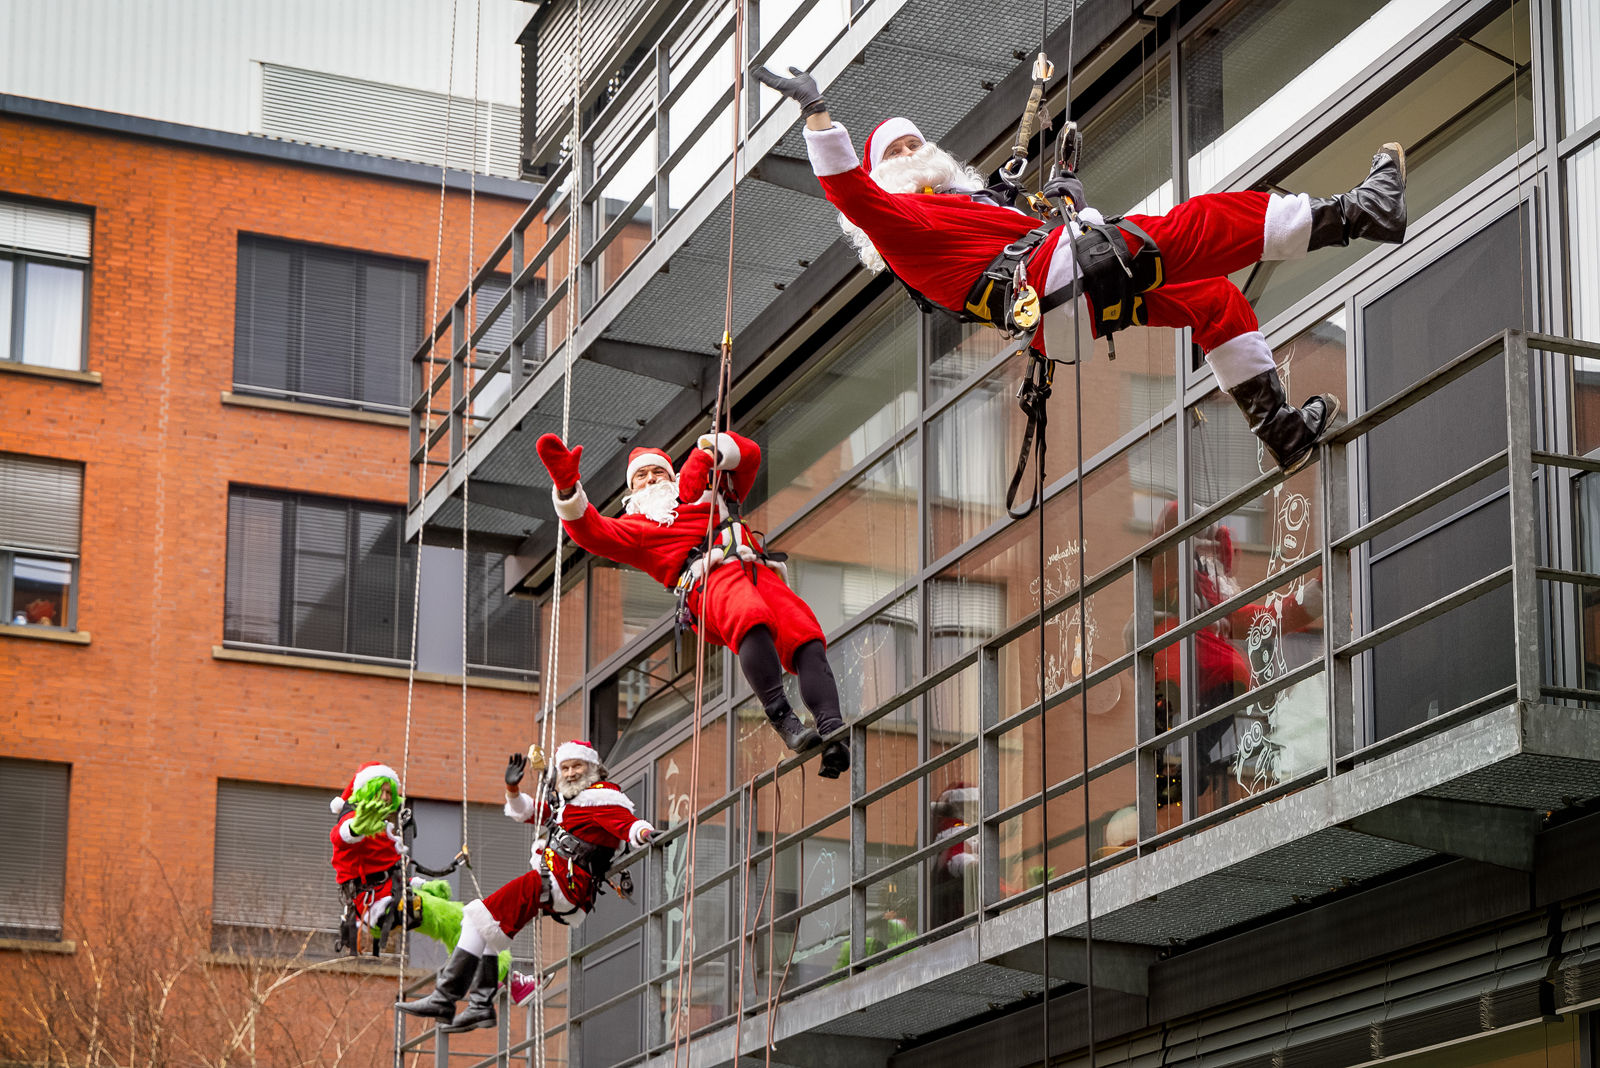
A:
[44,281]
[318,573]
[33,848]
[499,626]
[325,324]
[41,504]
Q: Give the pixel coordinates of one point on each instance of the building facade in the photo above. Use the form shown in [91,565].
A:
[1324,743]
[208,321]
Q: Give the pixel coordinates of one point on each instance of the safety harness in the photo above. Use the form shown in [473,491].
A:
[732,542]
[590,858]
[359,895]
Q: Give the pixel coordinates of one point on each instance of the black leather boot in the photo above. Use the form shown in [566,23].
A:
[835,759]
[1289,433]
[480,1002]
[450,987]
[792,729]
[1375,209]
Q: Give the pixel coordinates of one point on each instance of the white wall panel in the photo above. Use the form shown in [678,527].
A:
[1583,223]
[196,61]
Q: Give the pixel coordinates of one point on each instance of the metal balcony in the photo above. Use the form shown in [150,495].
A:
[1472,781]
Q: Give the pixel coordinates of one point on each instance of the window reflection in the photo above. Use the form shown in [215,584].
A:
[627,602]
[656,692]
[1130,167]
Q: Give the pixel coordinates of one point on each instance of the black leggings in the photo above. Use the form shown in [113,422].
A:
[758,656]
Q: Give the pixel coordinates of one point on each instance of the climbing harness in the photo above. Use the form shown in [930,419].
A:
[732,542]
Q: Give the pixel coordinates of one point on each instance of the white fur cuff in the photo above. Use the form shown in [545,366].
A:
[1286,231]
[831,151]
[347,834]
[573,507]
[519,808]
[1240,359]
[478,916]
[727,455]
[637,832]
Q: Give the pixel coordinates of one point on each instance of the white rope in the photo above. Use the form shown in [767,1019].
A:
[548,683]
[422,484]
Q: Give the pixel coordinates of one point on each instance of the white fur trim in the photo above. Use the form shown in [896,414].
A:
[949,832]
[477,914]
[336,805]
[637,831]
[374,911]
[649,458]
[885,134]
[1286,232]
[576,751]
[965,793]
[831,151]
[728,455]
[596,796]
[520,807]
[573,507]
[366,775]
[347,834]
[1240,359]
[961,862]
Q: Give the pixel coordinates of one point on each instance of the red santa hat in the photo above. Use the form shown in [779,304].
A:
[951,801]
[643,457]
[576,750]
[372,769]
[885,134]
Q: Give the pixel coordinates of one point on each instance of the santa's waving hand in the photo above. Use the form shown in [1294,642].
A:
[734,594]
[1157,270]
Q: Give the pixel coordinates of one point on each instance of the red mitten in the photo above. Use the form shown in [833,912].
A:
[561,462]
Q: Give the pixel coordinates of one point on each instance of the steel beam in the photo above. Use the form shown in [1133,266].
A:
[833,1051]
[1495,834]
[788,172]
[530,501]
[677,366]
[1123,966]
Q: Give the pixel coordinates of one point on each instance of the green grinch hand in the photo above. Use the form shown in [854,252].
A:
[373,811]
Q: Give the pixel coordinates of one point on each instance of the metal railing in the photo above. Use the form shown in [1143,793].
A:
[746,813]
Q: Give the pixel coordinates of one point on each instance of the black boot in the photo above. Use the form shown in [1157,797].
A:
[835,759]
[1375,209]
[450,987]
[1289,433]
[795,734]
[480,1002]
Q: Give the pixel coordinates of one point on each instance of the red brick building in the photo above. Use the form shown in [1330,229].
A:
[158,748]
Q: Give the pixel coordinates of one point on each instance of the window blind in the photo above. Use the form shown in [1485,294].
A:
[41,502]
[273,858]
[33,844]
[29,227]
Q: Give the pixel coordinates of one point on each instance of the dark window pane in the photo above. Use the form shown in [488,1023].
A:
[499,628]
[41,592]
[266,319]
[328,289]
[321,569]
[7,280]
[378,574]
[33,847]
[255,569]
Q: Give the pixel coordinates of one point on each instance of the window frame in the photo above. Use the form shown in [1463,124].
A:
[21,260]
[295,362]
[8,559]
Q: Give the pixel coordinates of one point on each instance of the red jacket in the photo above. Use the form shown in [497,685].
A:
[355,857]
[661,551]
[601,815]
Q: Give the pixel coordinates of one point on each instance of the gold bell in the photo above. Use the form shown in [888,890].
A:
[1025,311]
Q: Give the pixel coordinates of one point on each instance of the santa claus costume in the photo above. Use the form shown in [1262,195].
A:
[366,849]
[588,824]
[940,245]
[735,595]
[952,882]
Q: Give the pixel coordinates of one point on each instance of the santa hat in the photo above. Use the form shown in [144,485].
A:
[371,770]
[885,134]
[957,794]
[576,750]
[643,457]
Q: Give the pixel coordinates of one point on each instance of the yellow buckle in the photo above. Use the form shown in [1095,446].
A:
[1025,312]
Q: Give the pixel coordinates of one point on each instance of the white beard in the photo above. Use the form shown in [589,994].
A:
[929,167]
[658,501]
[570,790]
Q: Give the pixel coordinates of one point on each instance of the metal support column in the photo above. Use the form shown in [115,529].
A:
[1147,765]
[1525,525]
[988,775]
[1338,603]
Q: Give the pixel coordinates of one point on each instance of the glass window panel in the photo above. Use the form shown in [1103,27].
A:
[705,86]
[7,280]
[757,746]
[975,441]
[891,914]
[893,822]
[499,626]
[627,602]
[388,318]
[380,584]
[809,39]
[892,747]
[860,544]
[953,807]
[1586,510]
[875,661]
[52,316]
[652,700]
[1583,217]
[321,559]
[678,792]
[569,658]
[953,714]
[1580,53]
[855,401]
[624,180]
[1250,75]
[996,584]
[41,592]
[255,569]
[1025,839]
[1113,812]
[328,331]
[1130,170]
[1456,119]
[266,318]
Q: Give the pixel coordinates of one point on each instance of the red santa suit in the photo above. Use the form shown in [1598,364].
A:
[940,243]
[362,862]
[601,815]
[734,591]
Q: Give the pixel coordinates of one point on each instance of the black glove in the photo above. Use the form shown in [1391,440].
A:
[801,87]
[1068,187]
[516,768]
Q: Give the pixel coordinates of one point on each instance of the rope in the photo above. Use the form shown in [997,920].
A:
[466,424]
[545,727]
[427,434]
[720,420]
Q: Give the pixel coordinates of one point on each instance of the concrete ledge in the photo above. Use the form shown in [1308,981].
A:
[44,634]
[29,945]
[332,965]
[88,378]
[383,671]
[327,411]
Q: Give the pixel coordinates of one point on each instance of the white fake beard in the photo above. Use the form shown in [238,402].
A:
[929,167]
[570,790]
[658,501]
